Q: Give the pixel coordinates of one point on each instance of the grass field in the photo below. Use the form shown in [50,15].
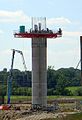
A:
[73,89]
[77,116]
[28,98]
[56,97]
[18,98]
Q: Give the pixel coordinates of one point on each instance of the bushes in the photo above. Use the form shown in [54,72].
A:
[22,91]
[78,92]
[75,90]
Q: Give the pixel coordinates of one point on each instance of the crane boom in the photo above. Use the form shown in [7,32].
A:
[9,81]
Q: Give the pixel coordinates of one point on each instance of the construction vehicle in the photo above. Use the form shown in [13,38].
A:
[10,77]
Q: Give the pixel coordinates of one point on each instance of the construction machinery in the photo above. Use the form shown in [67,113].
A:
[10,77]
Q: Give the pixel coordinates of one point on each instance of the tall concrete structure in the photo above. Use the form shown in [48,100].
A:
[81,57]
[39,65]
[39,34]
[39,72]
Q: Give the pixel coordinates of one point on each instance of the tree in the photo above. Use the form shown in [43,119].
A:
[61,87]
[51,77]
[78,92]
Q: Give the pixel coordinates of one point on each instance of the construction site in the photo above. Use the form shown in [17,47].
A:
[35,106]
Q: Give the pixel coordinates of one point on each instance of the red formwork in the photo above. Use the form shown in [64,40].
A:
[37,35]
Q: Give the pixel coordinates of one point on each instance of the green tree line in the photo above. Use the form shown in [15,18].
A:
[57,81]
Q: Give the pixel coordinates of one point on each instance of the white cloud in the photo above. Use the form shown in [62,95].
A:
[17,16]
[60,20]
[20,16]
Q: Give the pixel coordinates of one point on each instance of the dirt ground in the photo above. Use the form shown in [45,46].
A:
[24,113]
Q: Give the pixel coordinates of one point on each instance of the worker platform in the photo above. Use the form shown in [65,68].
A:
[38,30]
[37,33]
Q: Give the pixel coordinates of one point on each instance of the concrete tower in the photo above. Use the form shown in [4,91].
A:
[39,65]
[39,72]
[39,34]
[81,57]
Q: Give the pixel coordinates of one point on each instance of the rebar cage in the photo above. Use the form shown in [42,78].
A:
[38,23]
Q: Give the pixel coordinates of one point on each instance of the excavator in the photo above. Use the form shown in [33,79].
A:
[10,77]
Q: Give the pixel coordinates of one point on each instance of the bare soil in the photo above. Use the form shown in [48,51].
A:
[23,112]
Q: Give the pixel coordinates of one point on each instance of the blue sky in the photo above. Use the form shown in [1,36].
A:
[62,52]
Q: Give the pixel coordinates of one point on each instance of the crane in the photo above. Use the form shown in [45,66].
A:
[9,81]
[78,63]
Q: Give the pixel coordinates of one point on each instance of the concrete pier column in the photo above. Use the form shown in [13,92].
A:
[81,57]
[39,72]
